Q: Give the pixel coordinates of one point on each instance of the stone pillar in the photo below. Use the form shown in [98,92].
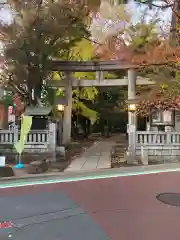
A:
[52,136]
[132,121]
[67,110]
[52,141]
[131,93]
[148,126]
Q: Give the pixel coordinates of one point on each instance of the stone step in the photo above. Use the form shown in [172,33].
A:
[121,159]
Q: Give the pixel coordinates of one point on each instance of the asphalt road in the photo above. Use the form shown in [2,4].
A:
[105,209]
[47,216]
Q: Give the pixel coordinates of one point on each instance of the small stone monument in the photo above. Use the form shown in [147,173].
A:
[144,156]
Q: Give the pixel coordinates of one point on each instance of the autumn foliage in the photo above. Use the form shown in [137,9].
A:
[138,55]
[157,99]
[19,104]
[143,46]
[40,31]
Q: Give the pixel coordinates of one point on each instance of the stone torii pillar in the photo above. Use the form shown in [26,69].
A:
[67,110]
[132,119]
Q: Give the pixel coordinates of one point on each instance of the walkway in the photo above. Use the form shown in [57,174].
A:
[95,157]
[100,209]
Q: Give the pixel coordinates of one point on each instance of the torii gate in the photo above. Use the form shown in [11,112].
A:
[99,67]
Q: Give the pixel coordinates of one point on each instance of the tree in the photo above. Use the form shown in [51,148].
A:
[143,48]
[84,111]
[153,54]
[166,95]
[84,51]
[163,97]
[41,30]
[138,45]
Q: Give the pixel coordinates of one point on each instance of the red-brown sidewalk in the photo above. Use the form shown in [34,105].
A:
[123,207]
[126,207]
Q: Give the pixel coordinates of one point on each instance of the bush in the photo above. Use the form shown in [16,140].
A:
[6,171]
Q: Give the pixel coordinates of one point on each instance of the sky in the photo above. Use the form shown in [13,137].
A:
[102,28]
[5,14]
[136,11]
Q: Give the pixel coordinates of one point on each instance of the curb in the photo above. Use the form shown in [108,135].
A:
[64,174]
[95,174]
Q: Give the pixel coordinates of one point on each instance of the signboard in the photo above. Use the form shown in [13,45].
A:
[160,117]
[167,116]
[2,161]
[11,118]
[10,110]
[156,117]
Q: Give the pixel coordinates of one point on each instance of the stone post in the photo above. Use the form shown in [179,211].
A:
[67,110]
[16,133]
[168,130]
[144,155]
[132,121]
[148,126]
[52,140]
[52,136]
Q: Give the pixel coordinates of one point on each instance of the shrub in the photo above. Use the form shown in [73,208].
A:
[6,171]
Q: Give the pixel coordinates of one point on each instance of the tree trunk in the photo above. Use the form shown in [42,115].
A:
[174,23]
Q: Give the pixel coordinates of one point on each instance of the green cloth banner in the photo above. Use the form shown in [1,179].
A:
[26,124]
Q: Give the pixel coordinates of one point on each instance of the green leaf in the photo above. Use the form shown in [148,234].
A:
[56,76]
[89,93]
[85,111]
[83,50]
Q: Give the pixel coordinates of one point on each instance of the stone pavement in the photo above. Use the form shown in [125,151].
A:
[96,157]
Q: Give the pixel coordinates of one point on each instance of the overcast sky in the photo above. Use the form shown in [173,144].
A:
[5,14]
[135,9]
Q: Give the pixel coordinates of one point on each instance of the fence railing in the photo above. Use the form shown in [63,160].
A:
[39,137]
[157,138]
[7,137]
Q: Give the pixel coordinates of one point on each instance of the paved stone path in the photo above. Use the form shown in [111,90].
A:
[95,157]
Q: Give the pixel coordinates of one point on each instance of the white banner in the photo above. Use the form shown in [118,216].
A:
[11,118]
